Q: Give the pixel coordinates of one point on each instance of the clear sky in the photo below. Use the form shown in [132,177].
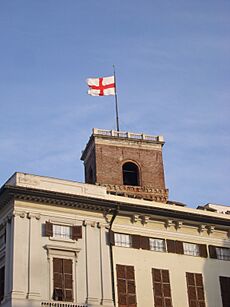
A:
[173,74]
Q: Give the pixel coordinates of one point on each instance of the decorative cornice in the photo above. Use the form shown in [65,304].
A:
[107,206]
[31,215]
[145,192]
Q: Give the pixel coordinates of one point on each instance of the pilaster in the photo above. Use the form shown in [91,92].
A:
[106,283]
[34,276]
[20,255]
[92,239]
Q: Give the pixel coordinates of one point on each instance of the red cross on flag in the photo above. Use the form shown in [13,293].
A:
[101,86]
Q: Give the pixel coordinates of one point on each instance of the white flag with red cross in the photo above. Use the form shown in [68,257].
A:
[101,86]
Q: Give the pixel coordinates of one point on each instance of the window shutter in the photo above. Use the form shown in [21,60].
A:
[62,279]
[111,237]
[225,293]
[144,243]
[126,286]
[48,229]
[76,232]
[136,241]
[58,294]
[212,252]
[195,289]
[203,250]
[171,248]
[161,288]
[179,247]
[68,279]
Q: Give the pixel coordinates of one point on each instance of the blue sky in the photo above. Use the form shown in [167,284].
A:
[173,75]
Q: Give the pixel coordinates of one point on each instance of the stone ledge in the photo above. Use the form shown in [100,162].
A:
[146,192]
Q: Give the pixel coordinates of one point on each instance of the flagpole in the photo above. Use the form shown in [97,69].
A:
[116,104]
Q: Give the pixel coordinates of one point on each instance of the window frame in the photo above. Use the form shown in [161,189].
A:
[122,243]
[161,284]
[194,289]
[55,235]
[156,248]
[220,253]
[136,172]
[62,252]
[126,282]
[75,231]
[189,252]
[63,274]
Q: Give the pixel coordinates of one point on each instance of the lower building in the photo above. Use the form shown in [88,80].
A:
[117,242]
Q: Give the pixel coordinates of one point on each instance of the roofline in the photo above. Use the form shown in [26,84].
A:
[7,192]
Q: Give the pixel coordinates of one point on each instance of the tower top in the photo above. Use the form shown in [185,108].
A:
[127,163]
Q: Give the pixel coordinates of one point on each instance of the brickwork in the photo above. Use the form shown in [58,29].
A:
[109,161]
[105,155]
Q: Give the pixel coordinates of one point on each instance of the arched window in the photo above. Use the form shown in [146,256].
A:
[130,174]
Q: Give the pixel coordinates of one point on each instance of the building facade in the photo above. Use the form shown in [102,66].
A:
[115,240]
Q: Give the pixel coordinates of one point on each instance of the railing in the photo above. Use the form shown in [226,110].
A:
[128,135]
[61,304]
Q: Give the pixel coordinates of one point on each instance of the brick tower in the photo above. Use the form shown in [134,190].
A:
[127,164]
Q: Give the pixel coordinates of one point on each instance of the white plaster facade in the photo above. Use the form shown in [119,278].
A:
[27,202]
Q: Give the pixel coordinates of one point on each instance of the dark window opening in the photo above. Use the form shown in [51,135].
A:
[130,174]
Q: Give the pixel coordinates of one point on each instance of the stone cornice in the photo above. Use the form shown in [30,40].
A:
[101,205]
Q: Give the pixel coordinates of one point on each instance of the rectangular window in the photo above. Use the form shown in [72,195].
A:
[225,293]
[157,245]
[62,280]
[191,249]
[223,253]
[126,288]
[2,282]
[161,288]
[195,289]
[62,232]
[123,240]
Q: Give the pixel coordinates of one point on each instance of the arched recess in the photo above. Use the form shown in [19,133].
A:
[131,174]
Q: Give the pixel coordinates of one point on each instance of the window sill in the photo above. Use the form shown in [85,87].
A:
[62,240]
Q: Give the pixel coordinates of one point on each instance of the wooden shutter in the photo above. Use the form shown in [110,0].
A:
[225,290]
[171,246]
[62,279]
[48,229]
[67,280]
[212,251]
[126,288]
[195,289]
[179,247]
[161,288]
[136,241]
[76,232]
[144,243]
[58,294]
[203,250]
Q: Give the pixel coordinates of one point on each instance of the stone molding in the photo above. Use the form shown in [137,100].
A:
[145,192]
